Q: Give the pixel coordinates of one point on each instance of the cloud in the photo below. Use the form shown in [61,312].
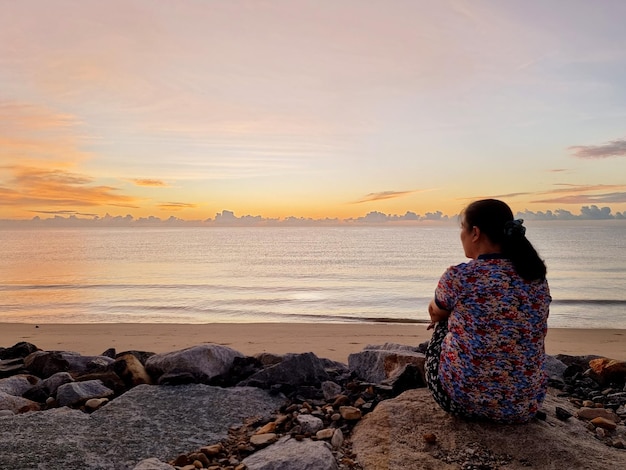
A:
[36,186]
[150,182]
[176,206]
[383,195]
[615,148]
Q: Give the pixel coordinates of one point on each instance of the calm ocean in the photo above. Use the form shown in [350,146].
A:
[285,274]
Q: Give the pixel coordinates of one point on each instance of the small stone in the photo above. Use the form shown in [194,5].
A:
[259,440]
[350,413]
[337,439]
[200,457]
[95,403]
[430,438]
[212,450]
[325,433]
[181,461]
[197,464]
[605,423]
[269,427]
[601,433]
[588,404]
[563,414]
[541,415]
[341,400]
[335,417]
[359,402]
[618,443]
[591,413]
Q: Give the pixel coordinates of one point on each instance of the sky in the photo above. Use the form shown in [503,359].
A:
[314,109]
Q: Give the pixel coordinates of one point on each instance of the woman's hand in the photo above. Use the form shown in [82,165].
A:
[436,314]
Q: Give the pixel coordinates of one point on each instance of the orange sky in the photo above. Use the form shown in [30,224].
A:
[310,109]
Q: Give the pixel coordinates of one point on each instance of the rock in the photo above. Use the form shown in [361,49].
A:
[10,367]
[147,421]
[152,464]
[591,413]
[604,423]
[17,404]
[43,364]
[74,393]
[94,403]
[325,433]
[18,351]
[48,387]
[81,365]
[562,413]
[290,454]
[377,363]
[261,440]
[404,378]
[391,437]
[337,439]
[330,390]
[201,363]
[350,413]
[17,385]
[309,424]
[606,370]
[554,367]
[130,369]
[294,370]
[109,378]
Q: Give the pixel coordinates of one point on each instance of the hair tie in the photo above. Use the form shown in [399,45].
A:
[514,228]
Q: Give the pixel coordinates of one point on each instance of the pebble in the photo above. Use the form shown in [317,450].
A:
[259,440]
[350,413]
[605,423]
[325,433]
[591,413]
[337,439]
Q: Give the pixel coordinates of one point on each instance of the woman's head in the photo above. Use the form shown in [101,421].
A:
[495,220]
[490,216]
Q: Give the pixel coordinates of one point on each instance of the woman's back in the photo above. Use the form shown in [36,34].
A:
[493,355]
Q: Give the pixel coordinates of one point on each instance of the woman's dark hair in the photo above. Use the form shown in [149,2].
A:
[495,219]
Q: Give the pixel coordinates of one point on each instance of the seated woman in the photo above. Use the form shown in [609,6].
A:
[486,356]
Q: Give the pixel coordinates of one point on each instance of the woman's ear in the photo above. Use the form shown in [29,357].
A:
[475,233]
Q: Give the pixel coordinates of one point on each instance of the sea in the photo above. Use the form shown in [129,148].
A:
[285,274]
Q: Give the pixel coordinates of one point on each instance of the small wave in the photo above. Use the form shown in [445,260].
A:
[589,301]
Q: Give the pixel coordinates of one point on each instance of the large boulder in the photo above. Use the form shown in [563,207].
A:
[377,363]
[197,364]
[75,393]
[411,432]
[18,351]
[294,370]
[43,364]
[18,385]
[290,454]
[16,404]
[146,422]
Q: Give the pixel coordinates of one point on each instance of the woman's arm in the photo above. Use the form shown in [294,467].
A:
[436,314]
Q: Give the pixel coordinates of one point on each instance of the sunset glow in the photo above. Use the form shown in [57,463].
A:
[310,109]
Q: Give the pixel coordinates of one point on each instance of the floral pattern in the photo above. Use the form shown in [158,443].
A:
[492,359]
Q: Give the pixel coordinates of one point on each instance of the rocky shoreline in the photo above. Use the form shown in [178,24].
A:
[308,413]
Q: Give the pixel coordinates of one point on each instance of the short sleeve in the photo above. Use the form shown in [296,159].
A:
[446,293]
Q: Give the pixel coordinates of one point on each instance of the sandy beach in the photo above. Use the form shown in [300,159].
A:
[333,341]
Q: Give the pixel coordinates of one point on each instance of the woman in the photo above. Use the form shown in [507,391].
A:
[486,356]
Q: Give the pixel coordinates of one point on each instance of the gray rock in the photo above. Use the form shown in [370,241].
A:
[393,437]
[16,404]
[17,385]
[146,422]
[80,365]
[74,393]
[19,350]
[48,387]
[377,363]
[294,369]
[309,424]
[289,454]
[9,367]
[197,364]
[152,464]
[330,390]
[43,364]
[554,367]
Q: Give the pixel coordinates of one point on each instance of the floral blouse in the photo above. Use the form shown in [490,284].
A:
[492,359]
